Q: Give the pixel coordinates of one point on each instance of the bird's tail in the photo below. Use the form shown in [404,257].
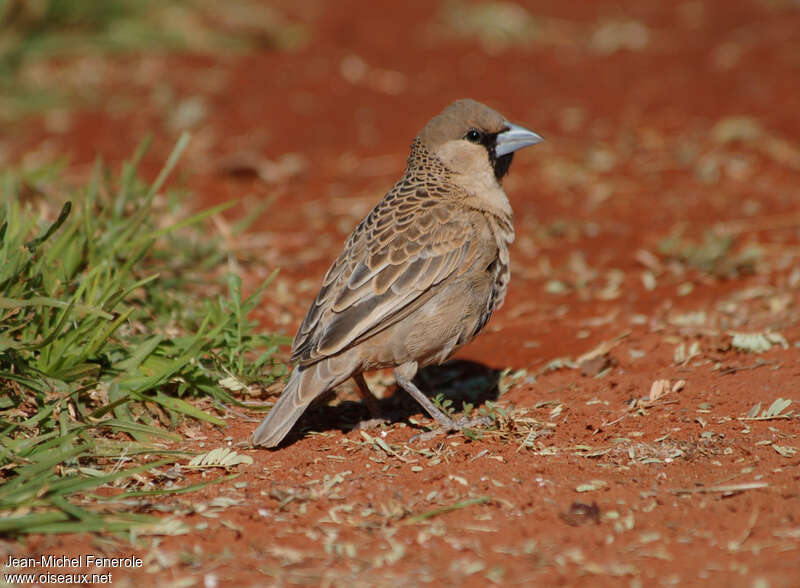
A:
[303,387]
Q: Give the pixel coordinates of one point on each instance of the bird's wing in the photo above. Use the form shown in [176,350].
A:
[408,243]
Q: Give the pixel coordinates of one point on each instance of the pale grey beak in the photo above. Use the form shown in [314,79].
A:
[513,138]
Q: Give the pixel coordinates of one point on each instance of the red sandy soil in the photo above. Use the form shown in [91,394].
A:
[692,127]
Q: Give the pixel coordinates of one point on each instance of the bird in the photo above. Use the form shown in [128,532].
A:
[419,276]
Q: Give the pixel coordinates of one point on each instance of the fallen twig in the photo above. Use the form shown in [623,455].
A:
[724,488]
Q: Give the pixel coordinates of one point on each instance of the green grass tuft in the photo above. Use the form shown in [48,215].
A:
[107,336]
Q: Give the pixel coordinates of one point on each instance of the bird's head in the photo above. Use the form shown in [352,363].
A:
[470,139]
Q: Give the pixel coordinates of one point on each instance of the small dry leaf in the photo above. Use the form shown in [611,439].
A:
[382,445]
[221,457]
[601,349]
[777,407]
[658,389]
[557,364]
[753,412]
[775,411]
[758,342]
[649,260]
[681,356]
[751,342]
[165,527]
[231,383]
[736,128]
[787,533]
[591,486]
[508,378]
[223,502]
[785,450]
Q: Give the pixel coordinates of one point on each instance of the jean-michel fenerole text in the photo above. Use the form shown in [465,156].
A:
[74,562]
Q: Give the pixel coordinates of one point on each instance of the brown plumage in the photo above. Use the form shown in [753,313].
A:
[420,275]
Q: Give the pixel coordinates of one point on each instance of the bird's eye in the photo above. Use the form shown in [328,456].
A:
[473,136]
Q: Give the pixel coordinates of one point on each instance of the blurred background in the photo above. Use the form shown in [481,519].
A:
[672,132]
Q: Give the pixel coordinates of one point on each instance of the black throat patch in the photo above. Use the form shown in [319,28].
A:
[501,164]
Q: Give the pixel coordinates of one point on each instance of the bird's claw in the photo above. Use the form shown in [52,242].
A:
[450,426]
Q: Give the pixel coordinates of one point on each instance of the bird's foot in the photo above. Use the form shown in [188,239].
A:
[448,425]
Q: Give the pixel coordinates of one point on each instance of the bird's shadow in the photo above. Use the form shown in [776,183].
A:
[462,383]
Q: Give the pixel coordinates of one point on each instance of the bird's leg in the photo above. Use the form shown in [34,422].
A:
[371,402]
[403,375]
[445,422]
[367,396]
